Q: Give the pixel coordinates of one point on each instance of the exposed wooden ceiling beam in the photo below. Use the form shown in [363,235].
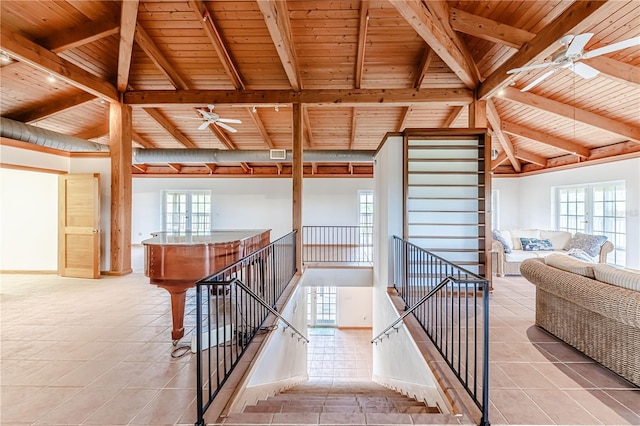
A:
[354,128]
[95,131]
[488,29]
[142,140]
[573,113]
[211,167]
[453,116]
[260,126]
[51,107]
[226,141]
[530,157]
[128,18]
[405,117]
[276,16]
[174,166]
[316,97]
[575,18]
[429,28]
[616,70]
[141,167]
[169,127]
[494,119]
[502,157]
[307,126]
[424,67]
[362,41]
[218,44]
[158,58]
[545,138]
[43,59]
[82,34]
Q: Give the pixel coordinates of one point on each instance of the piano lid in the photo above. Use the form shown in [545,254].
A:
[218,236]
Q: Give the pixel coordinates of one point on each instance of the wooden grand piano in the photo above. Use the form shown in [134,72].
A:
[175,261]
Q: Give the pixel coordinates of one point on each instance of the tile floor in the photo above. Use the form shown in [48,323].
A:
[98,352]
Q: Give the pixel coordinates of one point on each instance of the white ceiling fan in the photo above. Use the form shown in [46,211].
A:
[570,55]
[210,117]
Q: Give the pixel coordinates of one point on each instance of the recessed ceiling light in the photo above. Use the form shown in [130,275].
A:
[51,78]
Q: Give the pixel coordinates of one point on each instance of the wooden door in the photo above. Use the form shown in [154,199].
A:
[79,225]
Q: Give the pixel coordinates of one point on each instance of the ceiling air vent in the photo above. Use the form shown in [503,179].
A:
[278,154]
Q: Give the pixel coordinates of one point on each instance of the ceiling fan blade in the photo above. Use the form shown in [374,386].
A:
[578,43]
[634,41]
[229,120]
[584,70]
[204,125]
[530,67]
[538,80]
[224,126]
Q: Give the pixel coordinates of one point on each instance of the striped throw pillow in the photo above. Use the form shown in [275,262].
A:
[616,276]
[570,264]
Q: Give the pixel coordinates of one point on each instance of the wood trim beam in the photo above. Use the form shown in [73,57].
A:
[128,18]
[502,157]
[260,126]
[142,141]
[314,97]
[158,58]
[52,107]
[140,167]
[354,128]
[43,59]
[212,32]
[494,119]
[429,28]
[82,34]
[308,136]
[487,29]
[211,167]
[545,138]
[276,16]
[175,166]
[362,41]
[530,157]
[572,113]
[297,174]
[405,117]
[95,131]
[226,141]
[575,18]
[169,127]
[424,67]
[453,116]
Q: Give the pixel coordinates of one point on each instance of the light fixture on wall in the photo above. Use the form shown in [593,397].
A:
[494,154]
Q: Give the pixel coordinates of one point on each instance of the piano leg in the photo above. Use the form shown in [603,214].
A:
[178,292]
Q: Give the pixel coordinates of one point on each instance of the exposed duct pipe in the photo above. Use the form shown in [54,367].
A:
[200,156]
[27,133]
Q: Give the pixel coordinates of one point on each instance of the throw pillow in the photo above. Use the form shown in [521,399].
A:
[534,244]
[506,243]
[589,243]
[616,276]
[580,255]
[570,264]
[516,234]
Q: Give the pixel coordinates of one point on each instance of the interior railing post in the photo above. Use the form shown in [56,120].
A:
[199,402]
[485,356]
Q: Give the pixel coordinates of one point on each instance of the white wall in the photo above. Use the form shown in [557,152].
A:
[533,206]
[255,203]
[355,306]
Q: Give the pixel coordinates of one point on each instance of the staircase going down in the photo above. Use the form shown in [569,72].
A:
[349,402]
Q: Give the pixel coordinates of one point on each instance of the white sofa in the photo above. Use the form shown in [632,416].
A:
[509,263]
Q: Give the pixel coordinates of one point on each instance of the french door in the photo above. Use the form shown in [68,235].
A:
[322,307]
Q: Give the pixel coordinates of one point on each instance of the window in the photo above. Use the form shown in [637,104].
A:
[365,220]
[187,211]
[596,209]
[321,307]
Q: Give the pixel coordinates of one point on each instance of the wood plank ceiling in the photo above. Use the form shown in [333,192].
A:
[361,68]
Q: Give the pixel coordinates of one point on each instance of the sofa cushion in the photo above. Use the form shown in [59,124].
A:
[519,256]
[559,239]
[516,234]
[534,244]
[616,276]
[570,264]
[581,255]
[504,237]
[589,243]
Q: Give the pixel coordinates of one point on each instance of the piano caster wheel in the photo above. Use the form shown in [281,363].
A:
[175,342]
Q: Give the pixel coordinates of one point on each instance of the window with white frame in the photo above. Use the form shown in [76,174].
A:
[187,211]
[598,208]
[365,220]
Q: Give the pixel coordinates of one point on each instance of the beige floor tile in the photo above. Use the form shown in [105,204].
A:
[122,408]
[517,408]
[559,408]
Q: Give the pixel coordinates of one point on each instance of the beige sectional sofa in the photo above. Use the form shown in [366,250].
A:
[509,263]
[595,308]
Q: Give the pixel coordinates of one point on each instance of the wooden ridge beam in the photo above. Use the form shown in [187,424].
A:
[158,58]
[276,16]
[315,97]
[545,138]
[572,113]
[230,68]
[494,119]
[51,107]
[430,29]
[43,59]
[362,41]
[169,127]
[128,19]
[574,19]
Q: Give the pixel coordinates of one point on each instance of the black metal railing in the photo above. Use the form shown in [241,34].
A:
[339,244]
[452,306]
[231,307]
